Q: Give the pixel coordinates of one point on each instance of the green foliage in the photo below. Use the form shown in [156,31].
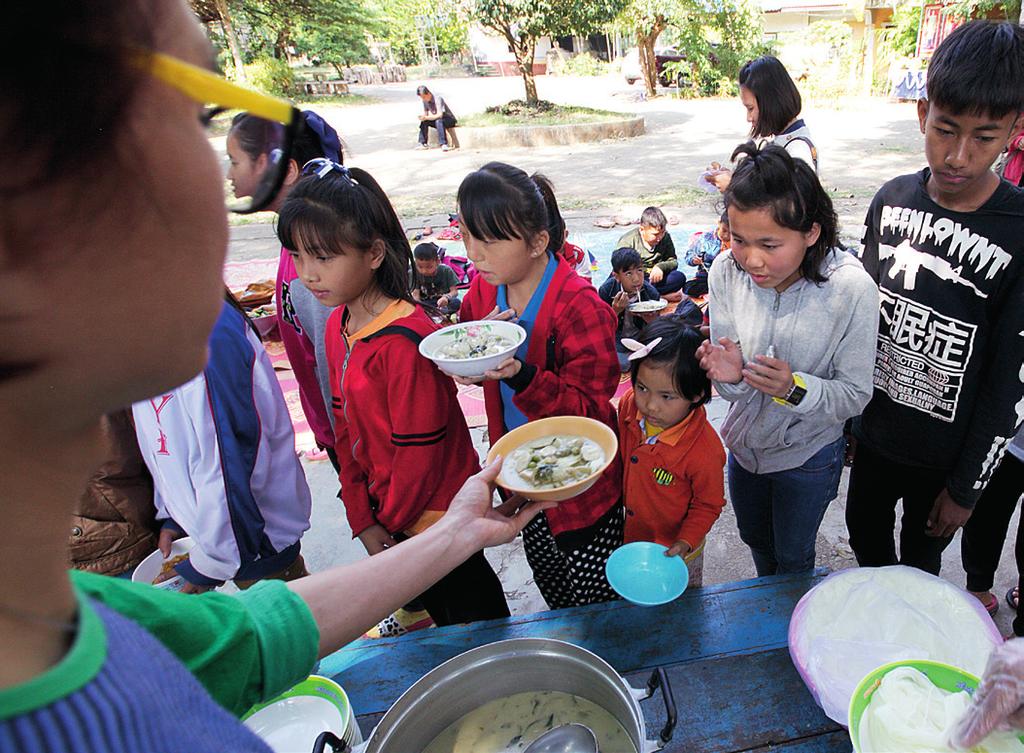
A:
[520,112]
[447,25]
[895,42]
[271,76]
[716,38]
[222,57]
[272,23]
[583,64]
[738,24]
[538,18]
[831,70]
[338,35]
[901,37]
[522,22]
[522,108]
[834,34]
[645,14]
[982,8]
[276,26]
[336,100]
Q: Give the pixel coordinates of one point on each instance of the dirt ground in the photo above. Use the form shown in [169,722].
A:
[862,143]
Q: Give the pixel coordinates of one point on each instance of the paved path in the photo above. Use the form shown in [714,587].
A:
[861,144]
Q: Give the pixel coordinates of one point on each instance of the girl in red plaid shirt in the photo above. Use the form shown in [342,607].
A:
[567,367]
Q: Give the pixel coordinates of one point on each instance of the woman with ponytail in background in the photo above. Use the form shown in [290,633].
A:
[566,367]
[251,144]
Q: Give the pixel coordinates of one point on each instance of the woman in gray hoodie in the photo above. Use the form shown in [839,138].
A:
[793,331]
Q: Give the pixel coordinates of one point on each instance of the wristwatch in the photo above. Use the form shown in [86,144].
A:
[796,393]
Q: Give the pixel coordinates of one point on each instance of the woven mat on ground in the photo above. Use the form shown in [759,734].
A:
[238,274]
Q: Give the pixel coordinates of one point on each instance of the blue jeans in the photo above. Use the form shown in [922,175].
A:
[440,124]
[778,514]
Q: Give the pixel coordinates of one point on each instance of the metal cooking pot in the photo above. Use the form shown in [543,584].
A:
[468,681]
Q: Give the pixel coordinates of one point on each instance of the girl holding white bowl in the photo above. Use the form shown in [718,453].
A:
[566,367]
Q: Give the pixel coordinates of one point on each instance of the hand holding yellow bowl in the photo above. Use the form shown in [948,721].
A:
[575,426]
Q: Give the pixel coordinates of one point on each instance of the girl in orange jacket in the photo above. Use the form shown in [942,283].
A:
[672,458]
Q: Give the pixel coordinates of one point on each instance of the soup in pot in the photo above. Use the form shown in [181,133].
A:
[510,724]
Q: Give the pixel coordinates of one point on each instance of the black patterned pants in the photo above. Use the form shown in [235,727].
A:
[569,568]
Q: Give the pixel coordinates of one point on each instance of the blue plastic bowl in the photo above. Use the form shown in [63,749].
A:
[642,574]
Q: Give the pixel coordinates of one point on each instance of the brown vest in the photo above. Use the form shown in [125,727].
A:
[114,523]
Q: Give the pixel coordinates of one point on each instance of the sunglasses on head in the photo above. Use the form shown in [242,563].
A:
[278,119]
[321,167]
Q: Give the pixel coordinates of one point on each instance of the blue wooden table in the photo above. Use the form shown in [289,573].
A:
[724,648]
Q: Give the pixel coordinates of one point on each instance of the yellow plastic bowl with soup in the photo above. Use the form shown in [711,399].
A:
[558,426]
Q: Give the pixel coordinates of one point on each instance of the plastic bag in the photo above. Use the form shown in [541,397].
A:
[857,620]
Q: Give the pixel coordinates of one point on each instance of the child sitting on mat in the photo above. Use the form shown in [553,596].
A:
[627,286]
[703,250]
[432,282]
[673,461]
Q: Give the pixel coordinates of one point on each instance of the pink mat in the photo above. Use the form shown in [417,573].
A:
[471,400]
[304,440]
[238,274]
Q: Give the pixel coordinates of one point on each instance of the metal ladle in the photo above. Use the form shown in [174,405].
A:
[569,738]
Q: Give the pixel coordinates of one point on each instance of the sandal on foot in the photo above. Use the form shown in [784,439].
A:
[990,606]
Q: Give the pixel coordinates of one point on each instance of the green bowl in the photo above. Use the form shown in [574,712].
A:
[942,676]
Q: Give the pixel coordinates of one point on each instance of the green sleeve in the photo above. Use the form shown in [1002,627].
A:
[666,252]
[630,240]
[243,648]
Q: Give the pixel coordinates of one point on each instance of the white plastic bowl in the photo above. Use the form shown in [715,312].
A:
[150,567]
[471,367]
[648,307]
[291,722]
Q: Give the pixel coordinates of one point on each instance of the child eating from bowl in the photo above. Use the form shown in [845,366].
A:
[432,282]
[627,286]
[673,479]
[704,249]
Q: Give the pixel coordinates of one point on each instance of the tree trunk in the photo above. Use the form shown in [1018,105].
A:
[281,44]
[229,32]
[524,48]
[529,82]
[648,61]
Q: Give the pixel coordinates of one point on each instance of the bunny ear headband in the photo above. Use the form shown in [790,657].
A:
[639,349]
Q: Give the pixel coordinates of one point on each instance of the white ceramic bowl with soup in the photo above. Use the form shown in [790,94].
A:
[472,348]
[535,434]
[153,565]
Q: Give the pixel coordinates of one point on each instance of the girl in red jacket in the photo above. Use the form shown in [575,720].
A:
[401,438]
[673,460]
[567,366]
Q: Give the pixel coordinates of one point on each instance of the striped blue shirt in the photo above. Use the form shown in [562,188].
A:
[125,693]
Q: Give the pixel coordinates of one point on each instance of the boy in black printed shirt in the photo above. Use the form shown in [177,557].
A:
[946,247]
